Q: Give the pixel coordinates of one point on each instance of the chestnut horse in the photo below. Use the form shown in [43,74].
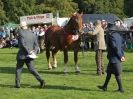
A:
[62,38]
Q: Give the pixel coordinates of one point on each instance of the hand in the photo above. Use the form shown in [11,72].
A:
[123,59]
[32,51]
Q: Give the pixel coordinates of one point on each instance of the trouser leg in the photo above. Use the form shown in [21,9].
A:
[102,62]
[107,80]
[41,44]
[29,63]
[98,62]
[118,79]
[19,68]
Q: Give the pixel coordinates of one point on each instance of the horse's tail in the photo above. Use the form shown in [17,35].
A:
[46,36]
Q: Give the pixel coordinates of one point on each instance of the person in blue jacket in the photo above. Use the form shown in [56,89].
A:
[115,55]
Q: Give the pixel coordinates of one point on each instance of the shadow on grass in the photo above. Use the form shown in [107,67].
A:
[51,72]
[51,87]
[56,87]
[11,70]
[22,86]
[69,73]
[8,53]
[131,70]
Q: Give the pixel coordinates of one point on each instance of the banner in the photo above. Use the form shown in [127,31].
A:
[36,19]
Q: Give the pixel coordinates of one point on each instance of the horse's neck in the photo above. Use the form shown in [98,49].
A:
[67,29]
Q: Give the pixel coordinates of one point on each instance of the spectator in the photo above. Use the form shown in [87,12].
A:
[41,39]
[99,46]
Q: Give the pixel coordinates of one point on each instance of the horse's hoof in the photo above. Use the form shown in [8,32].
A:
[65,73]
[54,67]
[77,72]
[49,68]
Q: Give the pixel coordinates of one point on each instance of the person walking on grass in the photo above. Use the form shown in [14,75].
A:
[27,46]
[115,55]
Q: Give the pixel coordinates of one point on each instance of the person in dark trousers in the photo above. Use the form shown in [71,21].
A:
[27,44]
[115,55]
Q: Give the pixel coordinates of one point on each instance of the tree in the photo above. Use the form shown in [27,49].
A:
[16,8]
[3,17]
[102,6]
[87,6]
[65,8]
[11,10]
[128,8]
[117,7]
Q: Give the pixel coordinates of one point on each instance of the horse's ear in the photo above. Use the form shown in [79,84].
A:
[74,14]
[81,13]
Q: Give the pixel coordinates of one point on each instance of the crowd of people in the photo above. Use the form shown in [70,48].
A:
[8,36]
[89,40]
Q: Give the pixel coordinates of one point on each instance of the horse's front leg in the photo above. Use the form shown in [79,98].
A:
[54,51]
[77,70]
[65,60]
[48,57]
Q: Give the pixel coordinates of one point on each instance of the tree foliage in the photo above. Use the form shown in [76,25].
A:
[128,7]
[3,17]
[11,10]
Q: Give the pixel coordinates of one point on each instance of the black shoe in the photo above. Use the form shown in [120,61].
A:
[99,73]
[77,71]
[42,84]
[17,86]
[103,72]
[102,87]
[121,90]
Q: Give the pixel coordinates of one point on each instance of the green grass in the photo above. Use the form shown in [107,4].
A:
[58,85]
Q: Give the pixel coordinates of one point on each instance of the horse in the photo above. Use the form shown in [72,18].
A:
[62,38]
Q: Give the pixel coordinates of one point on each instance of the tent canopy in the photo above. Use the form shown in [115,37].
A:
[11,25]
[110,18]
[128,21]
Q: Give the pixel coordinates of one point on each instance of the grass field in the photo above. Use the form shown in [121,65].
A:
[58,85]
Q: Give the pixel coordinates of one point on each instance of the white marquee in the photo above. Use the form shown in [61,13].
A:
[36,19]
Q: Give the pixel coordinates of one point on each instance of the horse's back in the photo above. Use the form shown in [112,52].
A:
[52,35]
[52,30]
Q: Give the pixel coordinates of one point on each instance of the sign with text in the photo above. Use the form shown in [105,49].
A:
[36,19]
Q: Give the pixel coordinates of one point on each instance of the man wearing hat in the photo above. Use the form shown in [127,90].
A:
[27,47]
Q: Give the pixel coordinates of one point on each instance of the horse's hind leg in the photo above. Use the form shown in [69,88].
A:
[77,70]
[48,56]
[65,61]
[54,51]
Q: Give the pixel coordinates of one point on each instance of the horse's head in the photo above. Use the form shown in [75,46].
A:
[75,23]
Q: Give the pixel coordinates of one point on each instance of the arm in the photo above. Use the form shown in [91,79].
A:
[95,31]
[23,44]
[36,46]
[115,46]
